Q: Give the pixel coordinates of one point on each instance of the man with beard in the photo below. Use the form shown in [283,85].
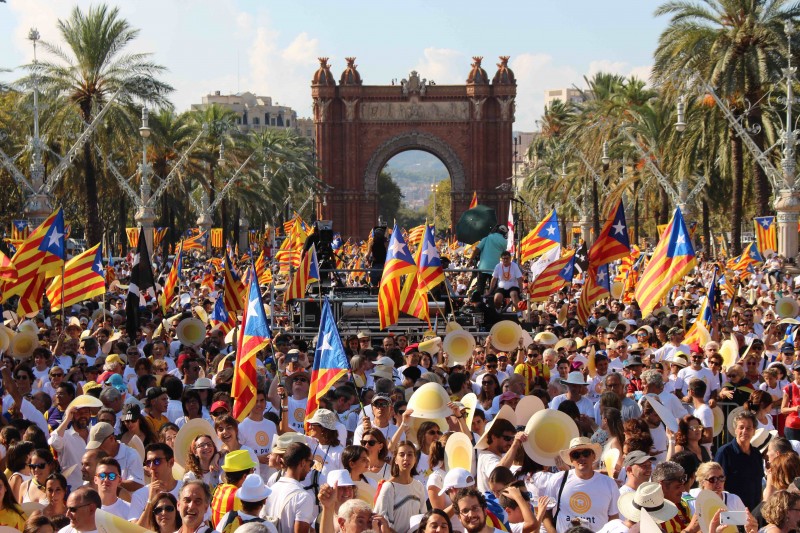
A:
[70,442]
[470,505]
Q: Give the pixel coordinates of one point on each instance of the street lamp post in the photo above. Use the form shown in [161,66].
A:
[787,197]
[145,214]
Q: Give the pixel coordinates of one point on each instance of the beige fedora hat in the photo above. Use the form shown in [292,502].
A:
[580,443]
[648,497]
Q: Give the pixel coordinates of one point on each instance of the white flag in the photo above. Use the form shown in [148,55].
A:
[541,263]
[511,244]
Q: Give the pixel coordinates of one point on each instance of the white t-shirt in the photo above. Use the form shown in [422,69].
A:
[705,415]
[704,374]
[585,405]
[297,414]
[507,277]
[388,432]
[398,502]
[259,437]
[291,503]
[140,497]
[487,461]
[592,500]
[118,508]
[614,526]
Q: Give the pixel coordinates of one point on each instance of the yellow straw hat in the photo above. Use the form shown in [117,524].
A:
[85,400]
[186,435]
[458,452]
[549,431]
[505,335]
[458,344]
[430,401]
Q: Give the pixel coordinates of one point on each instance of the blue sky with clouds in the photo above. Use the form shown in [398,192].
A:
[271,48]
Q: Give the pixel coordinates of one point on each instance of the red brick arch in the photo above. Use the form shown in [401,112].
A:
[358,128]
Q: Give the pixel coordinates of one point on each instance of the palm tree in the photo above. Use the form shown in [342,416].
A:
[85,75]
[738,45]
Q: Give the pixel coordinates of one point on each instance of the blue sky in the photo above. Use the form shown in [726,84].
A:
[270,48]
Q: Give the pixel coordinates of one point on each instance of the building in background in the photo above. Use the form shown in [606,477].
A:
[566,95]
[258,112]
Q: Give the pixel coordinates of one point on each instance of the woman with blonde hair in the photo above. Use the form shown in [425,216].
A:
[710,476]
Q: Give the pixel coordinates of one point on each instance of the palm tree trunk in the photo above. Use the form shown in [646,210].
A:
[763,189]
[664,209]
[595,210]
[636,212]
[122,219]
[709,244]
[94,227]
[737,192]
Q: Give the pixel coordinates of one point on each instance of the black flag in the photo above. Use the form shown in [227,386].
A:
[582,258]
[141,283]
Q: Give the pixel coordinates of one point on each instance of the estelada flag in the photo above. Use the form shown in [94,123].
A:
[474,202]
[83,279]
[330,360]
[544,237]
[255,337]
[673,257]
[766,235]
[613,242]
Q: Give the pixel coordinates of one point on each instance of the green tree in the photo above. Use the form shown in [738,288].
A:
[83,77]
[443,206]
[390,197]
[738,46]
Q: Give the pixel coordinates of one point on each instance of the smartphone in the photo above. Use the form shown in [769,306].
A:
[291,358]
[733,518]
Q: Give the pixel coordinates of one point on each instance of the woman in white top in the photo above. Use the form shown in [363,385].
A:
[375,443]
[355,459]
[427,434]
[760,402]
[402,496]
[435,474]
[711,477]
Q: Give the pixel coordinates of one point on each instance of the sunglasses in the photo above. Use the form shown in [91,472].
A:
[434,432]
[381,405]
[369,443]
[111,476]
[716,479]
[164,508]
[300,380]
[56,375]
[154,462]
[75,509]
[36,466]
[578,454]
[507,438]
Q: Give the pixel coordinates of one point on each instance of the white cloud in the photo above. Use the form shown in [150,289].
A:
[443,65]
[535,74]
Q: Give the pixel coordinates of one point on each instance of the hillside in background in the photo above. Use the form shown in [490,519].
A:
[414,171]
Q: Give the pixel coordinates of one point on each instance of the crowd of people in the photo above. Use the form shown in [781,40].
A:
[572,427]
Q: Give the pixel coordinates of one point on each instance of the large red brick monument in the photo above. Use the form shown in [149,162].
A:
[360,127]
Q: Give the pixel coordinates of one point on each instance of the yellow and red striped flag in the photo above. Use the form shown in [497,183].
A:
[292,247]
[172,280]
[20,230]
[415,235]
[766,235]
[553,277]
[398,263]
[255,336]
[158,236]
[413,300]
[39,254]
[673,257]
[133,237]
[474,202]
[297,287]
[262,270]
[543,238]
[83,279]
[196,242]
[234,288]
[221,318]
[7,268]
[596,287]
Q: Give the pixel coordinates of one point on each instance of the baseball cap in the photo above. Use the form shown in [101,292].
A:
[381,397]
[99,432]
[636,457]
[154,392]
[219,404]
[457,478]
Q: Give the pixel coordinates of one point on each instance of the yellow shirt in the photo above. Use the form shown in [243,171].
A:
[12,519]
